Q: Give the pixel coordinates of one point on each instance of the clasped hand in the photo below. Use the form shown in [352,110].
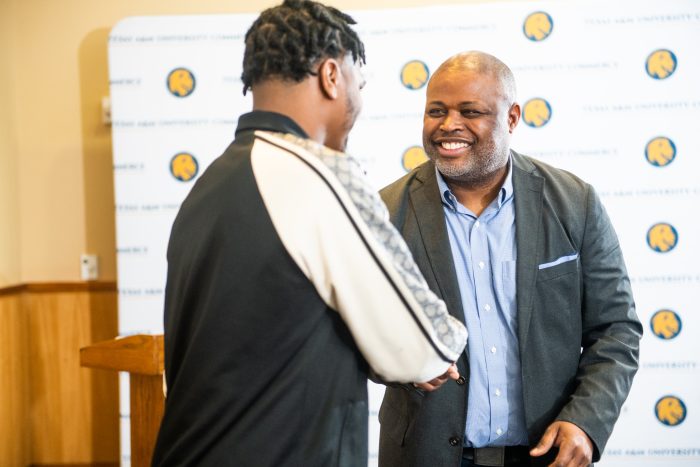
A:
[433,384]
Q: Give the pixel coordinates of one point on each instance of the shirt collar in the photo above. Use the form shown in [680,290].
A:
[446,195]
[449,199]
[268,121]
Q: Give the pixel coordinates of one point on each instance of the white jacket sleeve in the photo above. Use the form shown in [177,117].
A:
[337,230]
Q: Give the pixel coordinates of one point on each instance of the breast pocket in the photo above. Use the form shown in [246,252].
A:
[508,275]
[559,294]
[560,267]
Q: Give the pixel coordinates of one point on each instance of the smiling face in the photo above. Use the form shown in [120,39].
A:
[467,124]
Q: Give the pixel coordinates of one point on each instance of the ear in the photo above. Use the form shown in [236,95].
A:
[513,116]
[329,77]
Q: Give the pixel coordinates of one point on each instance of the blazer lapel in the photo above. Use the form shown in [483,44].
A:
[528,214]
[426,200]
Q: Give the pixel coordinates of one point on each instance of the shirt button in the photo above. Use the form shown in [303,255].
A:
[481,265]
[454,441]
[476,224]
[487,307]
[497,392]
[461,380]
[499,432]
[493,349]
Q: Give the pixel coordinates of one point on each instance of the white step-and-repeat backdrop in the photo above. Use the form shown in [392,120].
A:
[609,90]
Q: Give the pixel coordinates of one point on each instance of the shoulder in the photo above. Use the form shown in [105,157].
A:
[550,173]
[558,184]
[286,163]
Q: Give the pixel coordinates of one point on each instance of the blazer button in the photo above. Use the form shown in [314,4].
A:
[461,380]
[454,441]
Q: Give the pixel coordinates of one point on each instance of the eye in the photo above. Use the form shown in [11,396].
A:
[436,112]
[470,113]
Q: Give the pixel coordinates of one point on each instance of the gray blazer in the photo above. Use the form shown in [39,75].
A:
[577,327]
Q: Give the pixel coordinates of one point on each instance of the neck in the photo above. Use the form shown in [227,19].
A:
[295,100]
[477,196]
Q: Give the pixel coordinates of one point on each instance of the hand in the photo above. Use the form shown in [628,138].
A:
[433,384]
[575,447]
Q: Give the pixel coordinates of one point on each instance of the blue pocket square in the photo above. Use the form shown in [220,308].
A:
[563,259]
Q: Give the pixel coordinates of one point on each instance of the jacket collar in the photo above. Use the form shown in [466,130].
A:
[268,121]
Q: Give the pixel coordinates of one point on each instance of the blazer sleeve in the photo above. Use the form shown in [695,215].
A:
[338,232]
[611,331]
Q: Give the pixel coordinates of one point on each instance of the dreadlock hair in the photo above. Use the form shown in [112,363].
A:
[286,41]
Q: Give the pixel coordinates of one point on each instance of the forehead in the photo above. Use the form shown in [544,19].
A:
[463,85]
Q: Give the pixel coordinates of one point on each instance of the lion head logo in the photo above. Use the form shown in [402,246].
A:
[662,237]
[184,166]
[538,26]
[661,64]
[181,82]
[414,74]
[666,324]
[670,410]
[537,112]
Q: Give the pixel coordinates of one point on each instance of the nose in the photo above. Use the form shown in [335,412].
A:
[451,122]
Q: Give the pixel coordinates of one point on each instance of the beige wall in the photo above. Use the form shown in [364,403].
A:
[56,190]
[9,201]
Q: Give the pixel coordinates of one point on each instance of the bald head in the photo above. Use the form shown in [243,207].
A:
[483,64]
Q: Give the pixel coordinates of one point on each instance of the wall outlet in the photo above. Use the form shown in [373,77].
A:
[88,267]
[106,104]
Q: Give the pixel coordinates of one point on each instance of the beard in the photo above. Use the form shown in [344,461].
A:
[478,168]
[352,111]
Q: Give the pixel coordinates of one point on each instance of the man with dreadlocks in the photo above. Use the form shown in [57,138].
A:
[286,282]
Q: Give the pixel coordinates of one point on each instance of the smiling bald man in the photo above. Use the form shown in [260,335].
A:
[525,255]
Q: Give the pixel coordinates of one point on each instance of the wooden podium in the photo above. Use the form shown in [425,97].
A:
[142,357]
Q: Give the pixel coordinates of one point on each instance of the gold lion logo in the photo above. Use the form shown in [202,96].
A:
[660,151]
[537,112]
[414,74]
[670,411]
[181,82]
[665,324]
[661,64]
[413,157]
[538,26]
[184,167]
[662,237]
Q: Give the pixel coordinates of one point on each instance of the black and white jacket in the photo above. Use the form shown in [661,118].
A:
[286,284]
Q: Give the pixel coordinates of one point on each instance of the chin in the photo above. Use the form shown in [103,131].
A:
[453,169]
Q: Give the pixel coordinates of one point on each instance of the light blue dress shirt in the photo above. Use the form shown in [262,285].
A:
[484,253]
